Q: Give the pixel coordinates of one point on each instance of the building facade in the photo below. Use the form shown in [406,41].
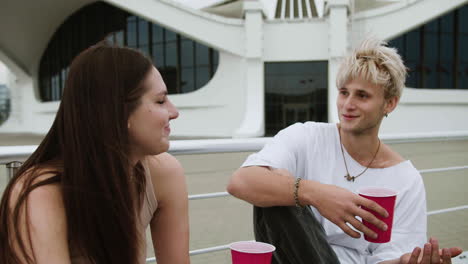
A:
[242,68]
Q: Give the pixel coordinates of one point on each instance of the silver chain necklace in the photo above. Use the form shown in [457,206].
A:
[349,177]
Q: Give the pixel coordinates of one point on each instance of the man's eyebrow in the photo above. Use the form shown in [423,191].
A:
[362,91]
[162,93]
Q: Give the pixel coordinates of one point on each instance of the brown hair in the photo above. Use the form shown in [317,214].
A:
[87,148]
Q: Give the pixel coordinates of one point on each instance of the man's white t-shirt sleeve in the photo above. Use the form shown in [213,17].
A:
[282,151]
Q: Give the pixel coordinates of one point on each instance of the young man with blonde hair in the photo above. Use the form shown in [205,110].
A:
[322,165]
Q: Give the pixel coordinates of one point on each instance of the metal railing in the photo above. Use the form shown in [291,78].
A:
[224,194]
[189,147]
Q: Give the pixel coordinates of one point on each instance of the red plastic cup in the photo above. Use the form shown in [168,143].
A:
[251,252]
[385,198]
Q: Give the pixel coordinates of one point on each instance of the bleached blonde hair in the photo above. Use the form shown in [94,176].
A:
[376,63]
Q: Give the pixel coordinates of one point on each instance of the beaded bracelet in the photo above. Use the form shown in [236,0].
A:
[296,193]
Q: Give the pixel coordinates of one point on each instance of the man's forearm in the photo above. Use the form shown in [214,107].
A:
[263,186]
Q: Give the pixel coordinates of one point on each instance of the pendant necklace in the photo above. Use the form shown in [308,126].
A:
[349,177]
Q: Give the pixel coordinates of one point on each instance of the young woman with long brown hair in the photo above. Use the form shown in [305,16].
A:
[101,175]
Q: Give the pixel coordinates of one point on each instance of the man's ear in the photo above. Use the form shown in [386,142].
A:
[390,104]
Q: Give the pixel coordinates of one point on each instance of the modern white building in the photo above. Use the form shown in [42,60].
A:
[241,68]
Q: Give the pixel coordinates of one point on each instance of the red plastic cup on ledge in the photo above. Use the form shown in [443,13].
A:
[251,252]
[386,198]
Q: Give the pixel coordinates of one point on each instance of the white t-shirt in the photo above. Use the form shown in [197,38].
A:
[312,151]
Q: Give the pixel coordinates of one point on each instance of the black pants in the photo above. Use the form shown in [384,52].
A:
[297,235]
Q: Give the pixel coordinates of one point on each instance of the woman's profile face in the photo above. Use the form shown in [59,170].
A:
[148,124]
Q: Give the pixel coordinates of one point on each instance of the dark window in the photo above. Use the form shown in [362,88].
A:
[184,64]
[461,18]
[294,92]
[436,52]
[4,103]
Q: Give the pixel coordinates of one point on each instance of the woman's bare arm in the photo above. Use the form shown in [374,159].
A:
[170,226]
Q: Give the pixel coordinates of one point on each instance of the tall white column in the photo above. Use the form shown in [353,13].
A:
[253,124]
[338,11]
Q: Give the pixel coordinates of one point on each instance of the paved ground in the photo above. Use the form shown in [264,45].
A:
[223,220]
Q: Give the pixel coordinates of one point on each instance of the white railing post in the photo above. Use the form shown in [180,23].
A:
[12,168]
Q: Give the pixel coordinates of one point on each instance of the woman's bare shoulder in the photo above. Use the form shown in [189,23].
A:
[167,176]
[32,177]
[164,163]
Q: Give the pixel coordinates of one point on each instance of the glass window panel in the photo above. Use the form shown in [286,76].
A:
[131,33]
[397,44]
[170,35]
[291,81]
[413,45]
[413,75]
[431,49]
[45,88]
[294,91]
[215,57]
[110,38]
[157,34]
[170,76]
[158,57]
[52,87]
[446,47]
[203,54]
[186,51]
[430,76]
[142,32]
[187,81]
[273,68]
[80,31]
[63,78]
[290,117]
[171,54]
[432,26]
[463,19]
[462,47]
[55,86]
[446,23]
[302,114]
[446,75]
[203,76]
[297,68]
[463,76]
[317,68]
[119,38]
[144,49]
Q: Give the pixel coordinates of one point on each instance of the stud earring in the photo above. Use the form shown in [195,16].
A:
[386,115]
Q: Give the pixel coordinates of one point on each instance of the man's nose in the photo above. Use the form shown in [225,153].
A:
[349,102]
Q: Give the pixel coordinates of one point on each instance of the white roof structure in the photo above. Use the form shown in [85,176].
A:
[279,8]
[247,34]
